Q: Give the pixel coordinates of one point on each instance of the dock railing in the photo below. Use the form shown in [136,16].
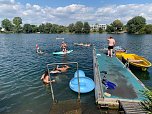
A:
[97,79]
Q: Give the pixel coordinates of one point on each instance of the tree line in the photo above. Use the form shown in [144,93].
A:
[136,25]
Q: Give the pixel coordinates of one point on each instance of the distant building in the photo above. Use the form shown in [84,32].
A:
[2,29]
[97,26]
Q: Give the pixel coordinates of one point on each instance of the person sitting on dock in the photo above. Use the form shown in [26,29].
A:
[64,46]
[46,78]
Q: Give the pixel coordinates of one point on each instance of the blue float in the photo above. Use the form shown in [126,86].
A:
[86,84]
[80,72]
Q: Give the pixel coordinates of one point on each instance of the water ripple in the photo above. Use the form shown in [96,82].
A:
[22,91]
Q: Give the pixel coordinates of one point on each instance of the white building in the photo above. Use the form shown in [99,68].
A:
[2,29]
[97,26]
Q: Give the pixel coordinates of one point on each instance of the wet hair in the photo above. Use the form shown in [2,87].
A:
[46,73]
[55,69]
[110,37]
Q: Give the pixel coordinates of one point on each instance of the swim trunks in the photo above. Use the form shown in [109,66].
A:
[110,47]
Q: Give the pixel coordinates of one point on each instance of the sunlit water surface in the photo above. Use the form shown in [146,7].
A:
[21,90]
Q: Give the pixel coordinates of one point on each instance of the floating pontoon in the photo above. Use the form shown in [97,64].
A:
[128,87]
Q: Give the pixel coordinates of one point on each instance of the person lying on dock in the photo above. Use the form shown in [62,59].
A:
[46,78]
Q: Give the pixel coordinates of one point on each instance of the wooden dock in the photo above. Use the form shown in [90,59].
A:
[128,89]
[132,107]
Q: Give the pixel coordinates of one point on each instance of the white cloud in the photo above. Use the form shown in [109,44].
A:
[7,1]
[125,12]
[36,14]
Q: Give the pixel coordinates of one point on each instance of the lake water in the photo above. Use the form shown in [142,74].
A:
[21,90]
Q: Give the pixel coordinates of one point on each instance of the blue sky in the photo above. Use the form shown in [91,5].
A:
[64,12]
[91,3]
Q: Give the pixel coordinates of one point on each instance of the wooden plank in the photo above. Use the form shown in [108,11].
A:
[132,107]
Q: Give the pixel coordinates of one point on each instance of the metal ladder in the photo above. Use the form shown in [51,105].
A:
[67,106]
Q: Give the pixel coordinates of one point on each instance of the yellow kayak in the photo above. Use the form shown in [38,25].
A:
[119,54]
[136,61]
[119,51]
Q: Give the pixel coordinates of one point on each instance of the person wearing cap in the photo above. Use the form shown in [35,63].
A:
[111,44]
[64,46]
[38,50]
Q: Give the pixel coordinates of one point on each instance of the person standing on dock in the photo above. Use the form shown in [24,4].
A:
[111,44]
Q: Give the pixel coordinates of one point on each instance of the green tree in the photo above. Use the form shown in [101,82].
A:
[110,29]
[78,27]
[86,28]
[35,28]
[61,29]
[148,29]
[142,31]
[41,28]
[17,21]
[27,28]
[117,24]
[135,24]
[54,28]
[47,27]
[7,25]
[100,30]
[71,28]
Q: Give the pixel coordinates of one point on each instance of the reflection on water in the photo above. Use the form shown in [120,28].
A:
[142,75]
[47,88]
